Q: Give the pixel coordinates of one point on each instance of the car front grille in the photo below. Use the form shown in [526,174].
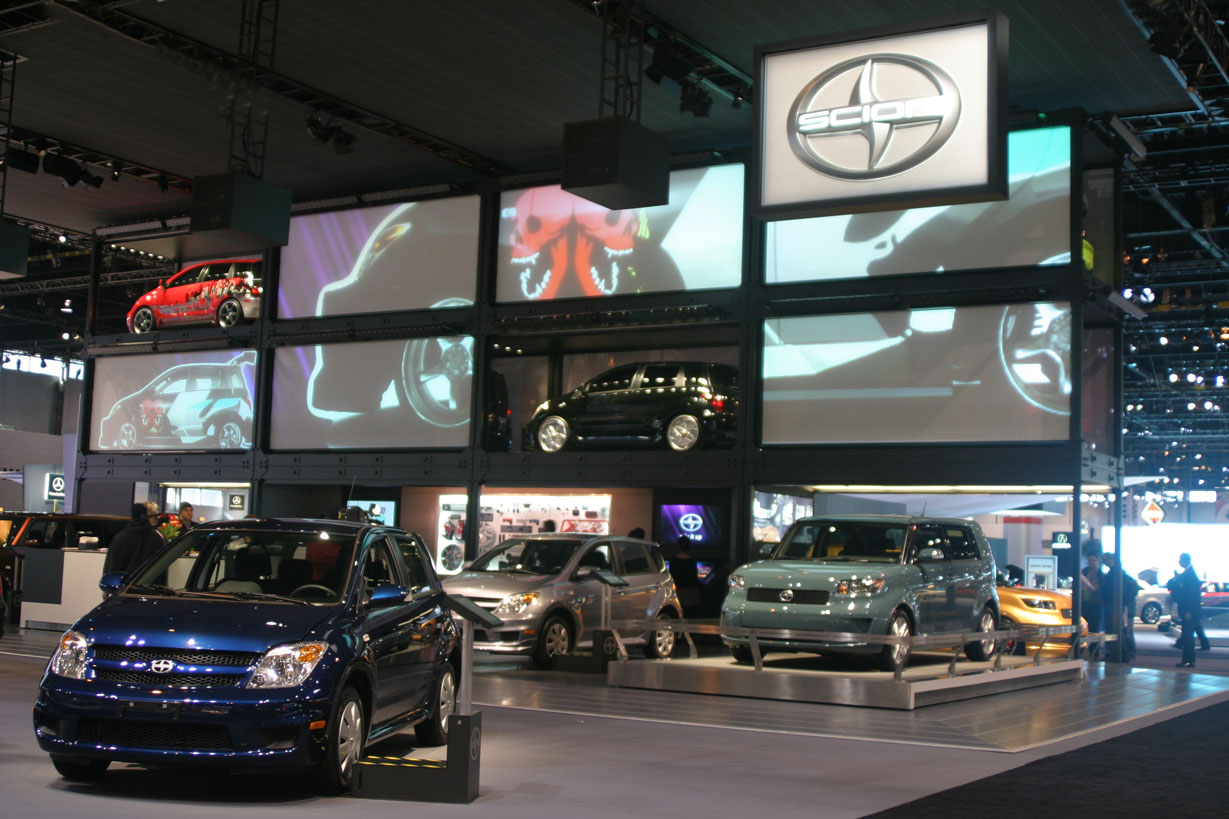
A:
[149,678]
[174,736]
[810,597]
[208,659]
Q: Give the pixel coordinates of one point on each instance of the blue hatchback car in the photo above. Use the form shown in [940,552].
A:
[279,644]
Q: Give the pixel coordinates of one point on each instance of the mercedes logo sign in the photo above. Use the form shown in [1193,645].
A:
[786,595]
[162,666]
[891,93]
[691,522]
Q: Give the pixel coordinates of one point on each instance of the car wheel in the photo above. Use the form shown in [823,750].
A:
[555,637]
[78,769]
[437,375]
[230,436]
[1010,646]
[434,729]
[661,643]
[1150,613]
[742,654]
[896,655]
[229,313]
[343,744]
[982,650]
[126,438]
[553,434]
[683,433]
[143,320]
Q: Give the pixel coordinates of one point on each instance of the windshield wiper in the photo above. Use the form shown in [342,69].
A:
[247,595]
[152,587]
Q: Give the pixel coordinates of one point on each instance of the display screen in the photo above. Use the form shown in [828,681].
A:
[180,401]
[399,394]
[383,512]
[1033,227]
[703,524]
[554,244]
[995,373]
[1097,401]
[773,513]
[410,256]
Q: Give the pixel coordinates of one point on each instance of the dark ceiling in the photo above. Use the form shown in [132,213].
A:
[469,89]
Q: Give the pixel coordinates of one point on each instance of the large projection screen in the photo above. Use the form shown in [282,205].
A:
[411,256]
[1032,228]
[400,394]
[554,244]
[996,373]
[173,401]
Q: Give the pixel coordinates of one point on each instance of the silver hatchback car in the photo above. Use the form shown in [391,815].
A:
[543,589]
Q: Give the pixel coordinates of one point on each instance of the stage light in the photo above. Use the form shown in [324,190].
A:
[67,306]
[116,169]
[63,167]
[90,179]
[695,99]
[342,141]
[667,63]
[22,160]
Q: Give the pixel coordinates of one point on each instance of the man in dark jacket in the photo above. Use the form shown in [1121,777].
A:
[135,543]
[1187,591]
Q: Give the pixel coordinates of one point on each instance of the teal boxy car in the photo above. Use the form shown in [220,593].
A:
[866,574]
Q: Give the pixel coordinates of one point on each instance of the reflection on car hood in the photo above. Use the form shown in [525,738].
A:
[772,573]
[492,584]
[209,625]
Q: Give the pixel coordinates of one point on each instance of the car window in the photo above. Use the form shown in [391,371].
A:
[843,540]
[659,375]
[931,537]
[620,378]
[634,558]
[36,533]
[598,556]
[200,275]
[173,387]
[656,558]
[218,272]
[529,556]
[414,558]
[379,567]
[961,543]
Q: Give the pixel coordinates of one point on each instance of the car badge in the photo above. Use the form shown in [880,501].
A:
[786,595]
[162,666]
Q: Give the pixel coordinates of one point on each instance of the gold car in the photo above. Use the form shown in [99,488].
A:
[1019,606]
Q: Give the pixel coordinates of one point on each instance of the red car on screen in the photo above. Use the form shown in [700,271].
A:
[223,292]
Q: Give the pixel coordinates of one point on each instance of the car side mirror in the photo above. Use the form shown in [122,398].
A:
[578,392]
[767,549]
[930,555]
[583,573]
[387,594]
[111,582]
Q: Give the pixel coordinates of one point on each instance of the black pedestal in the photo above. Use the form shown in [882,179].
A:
[605,651]
[427,780]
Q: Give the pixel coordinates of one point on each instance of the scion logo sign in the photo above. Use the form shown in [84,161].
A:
[883,102]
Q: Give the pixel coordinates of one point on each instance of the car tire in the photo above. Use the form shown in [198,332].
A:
[742,655]
[553,434]
[683,433]
[555,637]
[144,321]
[343,743]
[79,769]
[982,650]
[660,644]
[1011,646]
[894,657]
[436,373]
[128,436]
[1150,613]
[229,313]
[228,435]
[434,729]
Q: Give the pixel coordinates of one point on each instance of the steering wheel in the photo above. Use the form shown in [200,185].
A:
[312,587]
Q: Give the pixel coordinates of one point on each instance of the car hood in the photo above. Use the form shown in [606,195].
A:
[208,625]
[818,573]
[492,584]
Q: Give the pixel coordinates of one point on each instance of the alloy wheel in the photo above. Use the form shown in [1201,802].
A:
[349,738]
[683,433]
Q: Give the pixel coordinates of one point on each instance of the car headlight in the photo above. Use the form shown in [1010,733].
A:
[515,603]
[1038,603]
[286,666]
[737,581]
[860,585]
[69,658]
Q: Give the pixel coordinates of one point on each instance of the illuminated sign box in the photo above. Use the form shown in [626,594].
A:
[882,119]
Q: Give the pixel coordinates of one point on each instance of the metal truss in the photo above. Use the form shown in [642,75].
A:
[248,119]
[622,59]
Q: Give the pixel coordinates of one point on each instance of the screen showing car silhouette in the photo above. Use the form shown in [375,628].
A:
[202,404]
[223,292]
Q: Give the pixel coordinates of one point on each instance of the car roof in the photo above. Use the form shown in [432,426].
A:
[61,516]
[902,520]
[293,524]
[585,536]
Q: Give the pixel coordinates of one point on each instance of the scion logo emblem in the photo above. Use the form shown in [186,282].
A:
[691,522]
[162,666]
[786,595]
[890,93]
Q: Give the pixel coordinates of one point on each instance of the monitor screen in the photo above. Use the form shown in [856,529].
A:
[984,373]
[383,512]
[703,524]
[554,244]
[410,256]
[1033,227]
[393,394]
[173,401]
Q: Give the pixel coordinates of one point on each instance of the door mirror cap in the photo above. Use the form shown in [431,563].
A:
[583,573]
[111,582]
[766,549]
[387,594]
[930,555]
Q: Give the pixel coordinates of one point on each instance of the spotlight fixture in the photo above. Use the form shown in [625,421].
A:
[63,167]
[328,131]
[667,63]
[21,160]
[342,141]
[318,127]
[695,99]
[117,168]
[90,179]
[67,306]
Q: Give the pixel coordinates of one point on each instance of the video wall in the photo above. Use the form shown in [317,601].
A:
[984,373]
[554,244]
[410,256]
[402,393]
[1031,228]
[173,401]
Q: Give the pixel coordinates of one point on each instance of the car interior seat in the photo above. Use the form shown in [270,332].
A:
[248,569]
[293,573]
[596,559]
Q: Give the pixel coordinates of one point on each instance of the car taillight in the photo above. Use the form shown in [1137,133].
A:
[717,404]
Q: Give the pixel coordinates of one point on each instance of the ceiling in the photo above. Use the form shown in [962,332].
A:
[460,91]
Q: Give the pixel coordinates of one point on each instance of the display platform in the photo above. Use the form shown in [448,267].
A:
[810,678]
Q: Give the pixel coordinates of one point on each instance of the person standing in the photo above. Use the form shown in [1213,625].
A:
[186,520]
[684,570]
[1090,595]
[1126,612]
[135,543]
[1187,591]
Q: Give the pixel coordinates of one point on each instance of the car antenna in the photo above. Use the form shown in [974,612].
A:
[924,508]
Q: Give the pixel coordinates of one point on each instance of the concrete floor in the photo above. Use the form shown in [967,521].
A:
[541,763]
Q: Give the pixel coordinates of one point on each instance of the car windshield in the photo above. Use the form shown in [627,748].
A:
[529,556]
[292,566]
[8,528]
[843,540]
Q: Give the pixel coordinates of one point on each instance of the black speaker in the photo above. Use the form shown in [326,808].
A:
[14,248]
[240,212]
[616,163]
